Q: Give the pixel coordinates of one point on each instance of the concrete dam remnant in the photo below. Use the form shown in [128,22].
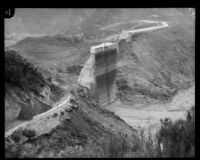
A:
[98,73]
[105,71]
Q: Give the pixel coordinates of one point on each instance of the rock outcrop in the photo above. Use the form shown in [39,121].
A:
[79,121]
[27,91]
[154,66]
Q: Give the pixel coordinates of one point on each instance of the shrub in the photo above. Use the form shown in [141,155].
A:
[28,133]
[16,136]
[178,138]
[74,69]
[26,112]
[55,115]
[114,146]
[28,150]
[146,146]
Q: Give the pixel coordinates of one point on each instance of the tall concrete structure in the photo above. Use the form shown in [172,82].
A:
[105,72]
[98,73]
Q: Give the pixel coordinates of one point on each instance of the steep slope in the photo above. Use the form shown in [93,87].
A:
[27,91]
[154,66]
[86,126]
[79,127]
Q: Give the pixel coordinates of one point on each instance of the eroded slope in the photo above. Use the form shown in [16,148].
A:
[156,65]
[86,126]
[27,91]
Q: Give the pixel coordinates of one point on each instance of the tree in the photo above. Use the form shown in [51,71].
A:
[178,137]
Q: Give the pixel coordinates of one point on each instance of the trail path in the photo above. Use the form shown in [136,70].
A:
[125,34]
[37,117]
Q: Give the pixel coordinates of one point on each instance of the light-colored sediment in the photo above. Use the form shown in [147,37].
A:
[148,116]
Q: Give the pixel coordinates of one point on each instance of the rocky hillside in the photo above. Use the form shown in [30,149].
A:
[154,66]
[27,91]
[85,132]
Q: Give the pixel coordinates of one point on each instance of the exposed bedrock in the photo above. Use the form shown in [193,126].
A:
[27,91]
[153,67]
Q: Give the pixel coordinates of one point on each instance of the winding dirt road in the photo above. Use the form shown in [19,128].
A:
[126,34]
[37,117]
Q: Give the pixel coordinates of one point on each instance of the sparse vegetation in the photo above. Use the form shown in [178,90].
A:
[74,69]
[28,133]
[55,115]
[16,136]
[174,139]
[178,138]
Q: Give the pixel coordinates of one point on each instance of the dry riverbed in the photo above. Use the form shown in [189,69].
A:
[148,116]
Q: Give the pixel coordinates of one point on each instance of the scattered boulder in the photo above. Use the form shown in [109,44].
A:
[74,106]
[61,113]
[55,115]
[73,101]
[28,133]
[69,109]
[67,117]
[22,139]
[16,136]
[64,117]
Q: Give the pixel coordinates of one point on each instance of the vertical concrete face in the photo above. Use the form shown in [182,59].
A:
[121,45]
[105,72]
[98,73]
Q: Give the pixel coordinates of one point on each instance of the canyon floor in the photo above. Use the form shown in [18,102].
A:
[147,117]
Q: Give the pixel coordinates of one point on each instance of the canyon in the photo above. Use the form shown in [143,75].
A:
[121,74]
[98,76]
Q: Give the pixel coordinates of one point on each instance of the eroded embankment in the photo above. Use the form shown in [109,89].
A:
[99,72]
[155,77]
[85,125]
[152,78]
[79,112]
[27,91]
[46,121]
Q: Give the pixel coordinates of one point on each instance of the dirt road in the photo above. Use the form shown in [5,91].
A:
[125,34]
[37,117]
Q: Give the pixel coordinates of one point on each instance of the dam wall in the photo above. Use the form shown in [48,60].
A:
[105,72]
[99,72]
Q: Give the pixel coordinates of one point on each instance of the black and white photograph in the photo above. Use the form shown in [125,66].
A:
[99,82]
